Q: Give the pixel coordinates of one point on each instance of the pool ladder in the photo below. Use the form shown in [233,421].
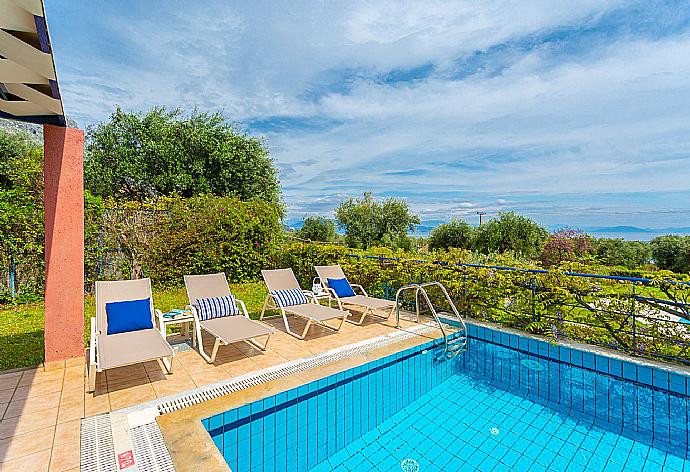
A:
[457,343]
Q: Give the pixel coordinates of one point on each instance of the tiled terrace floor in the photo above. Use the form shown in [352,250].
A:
[41,408]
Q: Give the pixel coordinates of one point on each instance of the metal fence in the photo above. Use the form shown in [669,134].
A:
[640,316]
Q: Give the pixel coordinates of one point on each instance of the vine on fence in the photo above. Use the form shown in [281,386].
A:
[646,317]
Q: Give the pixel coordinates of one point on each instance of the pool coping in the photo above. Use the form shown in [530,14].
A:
[189,443]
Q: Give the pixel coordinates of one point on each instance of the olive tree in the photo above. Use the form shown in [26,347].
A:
[138,156]
[369,222]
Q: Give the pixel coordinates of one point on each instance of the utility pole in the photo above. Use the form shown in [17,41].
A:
[481,213]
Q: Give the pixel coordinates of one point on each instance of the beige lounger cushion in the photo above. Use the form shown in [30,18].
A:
[131,348]
[231,329]
[368,302]
[315,312]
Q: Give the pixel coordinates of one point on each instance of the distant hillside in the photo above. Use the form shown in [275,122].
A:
[35,131]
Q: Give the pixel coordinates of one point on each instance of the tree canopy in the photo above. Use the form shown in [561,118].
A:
[317,228]
[136,156]
[619,252]
[369,222]
[566,245]
[457,233]
[511,232]
[672,252]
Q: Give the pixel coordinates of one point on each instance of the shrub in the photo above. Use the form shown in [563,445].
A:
[619,252]
[672,252]
[457,234]
[21,213]
[317,228]
[208,234]
[511,232]
[566,245]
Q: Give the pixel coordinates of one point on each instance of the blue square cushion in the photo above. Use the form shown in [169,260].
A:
[341,287]
[131,315]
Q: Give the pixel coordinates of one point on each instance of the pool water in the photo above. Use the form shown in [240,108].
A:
[467,425]
[507,403]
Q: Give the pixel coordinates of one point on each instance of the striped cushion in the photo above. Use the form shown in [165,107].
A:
[293,296]
[218,307]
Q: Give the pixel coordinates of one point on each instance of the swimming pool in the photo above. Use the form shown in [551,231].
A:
[508,403]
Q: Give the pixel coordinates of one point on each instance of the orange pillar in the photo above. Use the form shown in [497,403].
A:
[64,242]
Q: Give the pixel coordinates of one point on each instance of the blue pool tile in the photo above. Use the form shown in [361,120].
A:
[554,351]
[644,374]
[616,367]
[677,383]
[629,371]
[588,360]
[523,343]
[551,416]
[660,378]
[601,363]
[576,357]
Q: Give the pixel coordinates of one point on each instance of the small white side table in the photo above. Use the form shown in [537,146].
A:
[322,296]
[186,319]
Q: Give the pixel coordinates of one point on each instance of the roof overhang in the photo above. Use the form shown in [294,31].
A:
[28,82]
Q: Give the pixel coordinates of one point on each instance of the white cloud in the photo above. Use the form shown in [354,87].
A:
[611,117]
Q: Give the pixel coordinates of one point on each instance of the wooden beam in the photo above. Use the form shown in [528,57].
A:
[26,55]
[11,72]
[16,18]
[34,96]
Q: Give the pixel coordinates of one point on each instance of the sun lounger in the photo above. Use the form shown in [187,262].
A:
[142,343]
[219,313]
[286,295]
[368,305]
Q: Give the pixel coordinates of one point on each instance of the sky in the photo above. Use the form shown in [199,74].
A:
[572,113]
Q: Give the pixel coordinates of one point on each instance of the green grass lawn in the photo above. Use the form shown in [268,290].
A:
[21,326]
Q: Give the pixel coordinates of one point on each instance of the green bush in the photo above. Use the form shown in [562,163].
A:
[21,214]
[208,234]
[619,252]
[457,234]
[671,252]
[317,228]
[511,232]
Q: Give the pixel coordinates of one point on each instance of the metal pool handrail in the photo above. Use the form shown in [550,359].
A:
[420,288]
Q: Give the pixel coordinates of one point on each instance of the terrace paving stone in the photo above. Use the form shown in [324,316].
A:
[6,395]
[26,423]
[65,433]
[64,457]
[27,443]
[32,404]
[70,411]
[36,462]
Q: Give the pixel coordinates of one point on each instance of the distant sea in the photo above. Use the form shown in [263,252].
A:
[630,233]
